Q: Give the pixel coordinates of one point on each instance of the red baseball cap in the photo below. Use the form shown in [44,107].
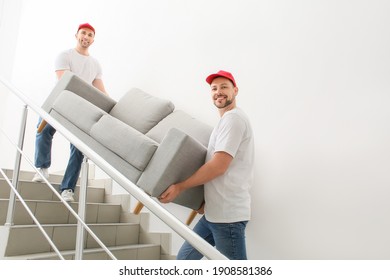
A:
[221,73]
[86,25]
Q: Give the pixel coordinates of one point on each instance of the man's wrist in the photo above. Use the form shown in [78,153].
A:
[181,187]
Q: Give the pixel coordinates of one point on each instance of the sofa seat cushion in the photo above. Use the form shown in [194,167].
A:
[184,122]
[125,141]
[77,110]
[141,110]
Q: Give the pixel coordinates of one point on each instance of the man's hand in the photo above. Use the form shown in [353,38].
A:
[201,209]
[170,193]
[98,83]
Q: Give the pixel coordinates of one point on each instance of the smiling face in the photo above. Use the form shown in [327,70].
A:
[223,94]
[85,37]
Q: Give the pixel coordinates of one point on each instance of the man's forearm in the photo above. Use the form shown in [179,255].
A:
[208,171]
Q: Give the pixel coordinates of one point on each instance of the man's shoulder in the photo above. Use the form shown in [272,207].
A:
[239,113]
[236,119]
[235,114]
[67,51]
[63,53]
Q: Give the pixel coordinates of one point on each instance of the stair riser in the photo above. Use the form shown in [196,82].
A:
[142,252]
[40,191]
[57,213]
[20,239]
[28,175]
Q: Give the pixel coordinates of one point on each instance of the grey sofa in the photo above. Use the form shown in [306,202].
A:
[140,135]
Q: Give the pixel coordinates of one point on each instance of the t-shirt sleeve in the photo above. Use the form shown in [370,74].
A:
[231,134]
[62,62]
[99,73]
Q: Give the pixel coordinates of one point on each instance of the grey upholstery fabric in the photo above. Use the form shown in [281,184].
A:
[177,157]
[117,162]
[140,110]
[117,133]
[125,141]
[78,110]
[73,83]
[186,123]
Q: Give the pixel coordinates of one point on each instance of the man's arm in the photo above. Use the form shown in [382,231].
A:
[98,83]
[59,73]
[215,167]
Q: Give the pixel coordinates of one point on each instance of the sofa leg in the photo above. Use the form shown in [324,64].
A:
[191,217]
[138,208]
[41,126]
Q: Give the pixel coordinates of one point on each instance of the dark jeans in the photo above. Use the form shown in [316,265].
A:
[43,144]
[228,238]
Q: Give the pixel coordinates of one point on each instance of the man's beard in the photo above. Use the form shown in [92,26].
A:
[84,44]
[227,103]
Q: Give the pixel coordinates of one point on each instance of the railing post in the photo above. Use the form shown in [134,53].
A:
[15,176]
[82,209]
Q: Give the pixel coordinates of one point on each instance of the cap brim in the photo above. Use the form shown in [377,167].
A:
[210,78]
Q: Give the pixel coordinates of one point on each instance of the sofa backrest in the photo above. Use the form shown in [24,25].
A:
[71,82]
[184,122]
[140,110]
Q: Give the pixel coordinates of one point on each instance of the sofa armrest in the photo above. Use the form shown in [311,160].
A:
[176,158]
[71,82]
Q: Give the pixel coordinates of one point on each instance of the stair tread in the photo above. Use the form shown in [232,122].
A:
[86,251]
[54,183]
[59,202]
[73,225]
[40,191]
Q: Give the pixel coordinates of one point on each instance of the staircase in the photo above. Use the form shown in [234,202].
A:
[125,234]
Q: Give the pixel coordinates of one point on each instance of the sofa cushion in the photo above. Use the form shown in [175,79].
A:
[140,110]
[184,122]
[177,157]
[77,110]
[112,158]
[125,141]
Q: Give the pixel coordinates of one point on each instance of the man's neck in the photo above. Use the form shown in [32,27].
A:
[82,51]
[226,109]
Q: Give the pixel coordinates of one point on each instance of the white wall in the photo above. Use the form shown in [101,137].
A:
[313,78]
[10,12]
[9,26]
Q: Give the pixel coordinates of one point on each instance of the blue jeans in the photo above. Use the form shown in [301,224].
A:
[43,144]
[228,238]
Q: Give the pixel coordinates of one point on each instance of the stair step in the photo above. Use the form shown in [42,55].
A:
[108,216]
[54,212]
[28,175]
[128,252]
[56,178]
[40,191]
[64,236]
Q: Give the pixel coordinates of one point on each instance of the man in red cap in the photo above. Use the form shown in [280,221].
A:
[78,61]
[227,176]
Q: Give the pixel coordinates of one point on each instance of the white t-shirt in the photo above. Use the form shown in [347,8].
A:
[227,197]
[84,66]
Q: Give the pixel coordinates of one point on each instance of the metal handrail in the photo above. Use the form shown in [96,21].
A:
[32,215]
[80,220]
[184,231]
